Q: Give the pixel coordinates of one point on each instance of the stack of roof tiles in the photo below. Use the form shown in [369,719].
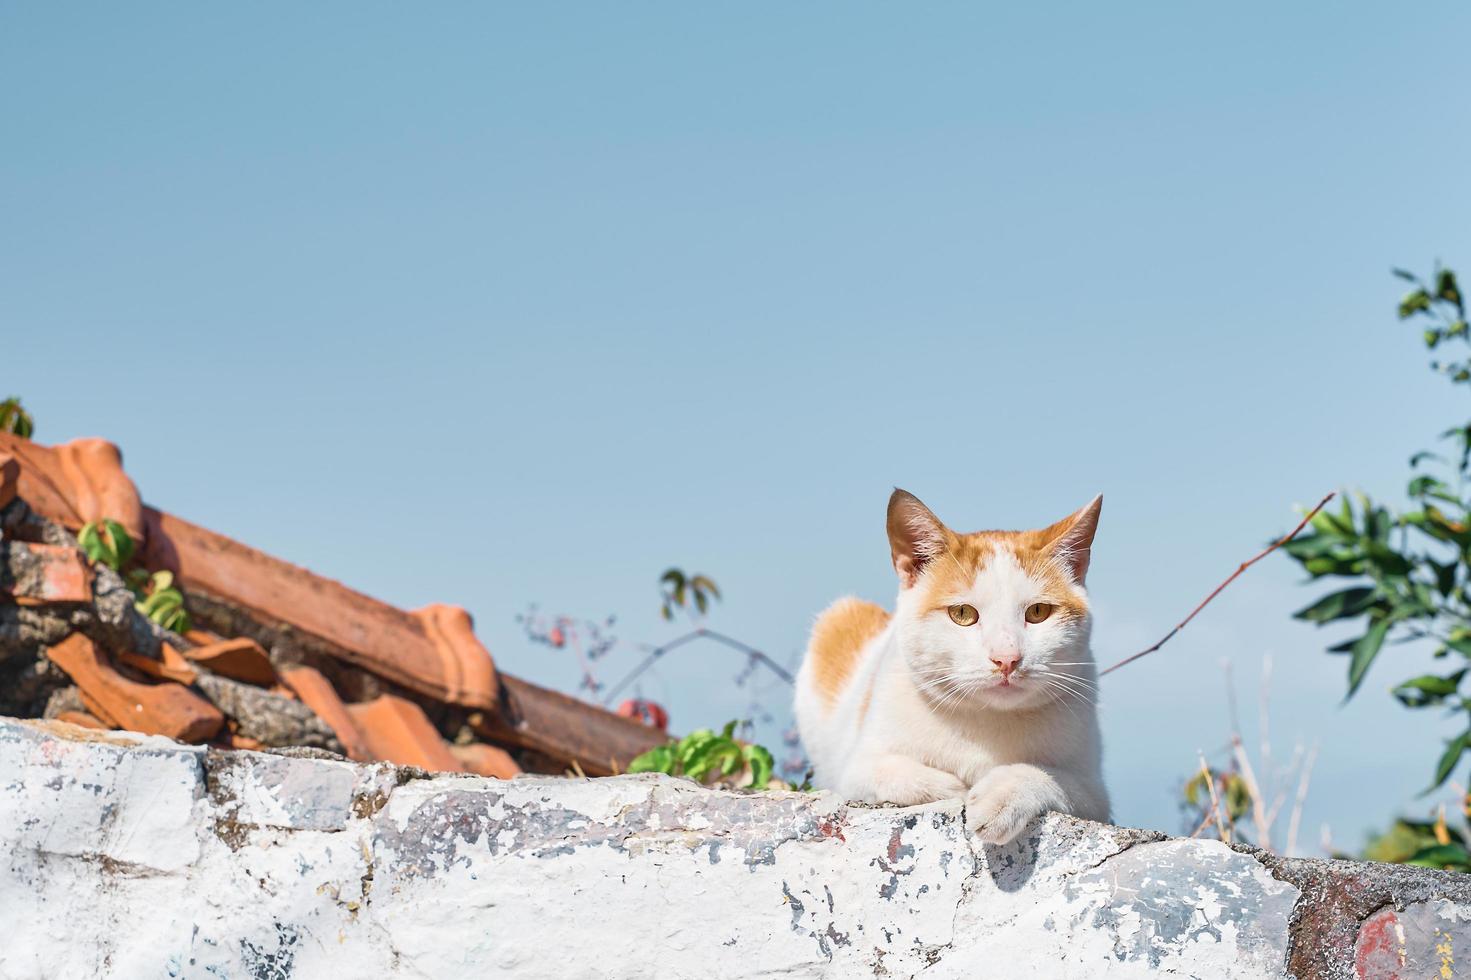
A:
[336,668]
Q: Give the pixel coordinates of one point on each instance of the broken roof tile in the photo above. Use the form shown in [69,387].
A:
[83,719]
[154,709]
[317,693]
[171,666]
[397,730]
[486,760]
[36,574]
[242,659]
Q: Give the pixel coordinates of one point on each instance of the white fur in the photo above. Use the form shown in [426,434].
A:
[941,723]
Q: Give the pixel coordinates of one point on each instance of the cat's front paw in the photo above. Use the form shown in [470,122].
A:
[907,782]
[1004,801]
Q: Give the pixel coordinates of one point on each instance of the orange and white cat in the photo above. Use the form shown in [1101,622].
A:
[980,686]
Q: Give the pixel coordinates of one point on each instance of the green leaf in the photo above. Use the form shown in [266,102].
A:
[1451,856]
[1428,689]
[1338,605]
[1414,302]
[1365,649]
[15,419]
[1406,276]
[1448,760]
[706,584]
[762,765]
[658,759]
[1446,287]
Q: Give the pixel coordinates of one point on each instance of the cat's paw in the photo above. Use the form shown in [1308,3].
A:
[904,781]
[1001,805]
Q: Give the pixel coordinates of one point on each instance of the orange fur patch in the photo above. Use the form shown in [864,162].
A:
[838,637]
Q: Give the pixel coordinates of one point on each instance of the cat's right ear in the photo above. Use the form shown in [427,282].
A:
[916,536]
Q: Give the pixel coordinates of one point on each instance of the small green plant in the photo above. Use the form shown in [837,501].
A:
[15,419]
[107,542]
[1424,843]
[160,600]
[710,757]
[680,591]
[1230,788]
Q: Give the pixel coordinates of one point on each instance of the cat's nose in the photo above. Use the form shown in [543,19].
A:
[1006,662]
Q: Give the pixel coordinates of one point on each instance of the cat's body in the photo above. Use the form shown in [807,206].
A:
[980,685]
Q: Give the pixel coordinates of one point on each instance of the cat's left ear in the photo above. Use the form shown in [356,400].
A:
[1071,538]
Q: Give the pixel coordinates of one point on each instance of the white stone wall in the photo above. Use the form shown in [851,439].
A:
[126,856]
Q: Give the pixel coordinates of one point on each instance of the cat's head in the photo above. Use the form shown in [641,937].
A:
[993,618]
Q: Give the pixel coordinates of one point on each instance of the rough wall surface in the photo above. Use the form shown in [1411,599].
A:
[126,856]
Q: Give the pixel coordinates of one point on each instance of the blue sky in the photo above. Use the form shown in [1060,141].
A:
[501,305]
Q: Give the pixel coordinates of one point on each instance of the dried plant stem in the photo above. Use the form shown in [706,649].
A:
[1259,817]
[1210,783]
[1295,820]
[1218,589]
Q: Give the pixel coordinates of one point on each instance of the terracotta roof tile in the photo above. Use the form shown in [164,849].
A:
[467,667]
[398,731]
[171,666]
[154,709]
[82,719]
[486,760]
[42,573]
[371,634]
[317,693]
[9,478]
[242,659]
[432,652]
[76,482]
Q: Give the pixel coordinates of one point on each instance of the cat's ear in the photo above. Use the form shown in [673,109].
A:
[916,536]
[1071,539]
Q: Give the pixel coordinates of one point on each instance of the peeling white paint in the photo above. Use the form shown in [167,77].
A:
[138,857]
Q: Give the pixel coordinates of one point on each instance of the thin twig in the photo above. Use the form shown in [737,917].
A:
[1204,823]
[699,632]
[1217,591]
[1302,794]
[1258,805]
[1210,783]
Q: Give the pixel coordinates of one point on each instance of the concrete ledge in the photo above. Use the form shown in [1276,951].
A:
[131,856]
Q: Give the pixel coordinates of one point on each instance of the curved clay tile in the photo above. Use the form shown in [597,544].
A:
[9,476]
[469,669]
[486,760]
[76,482]
[154,709]
[317,693]
[242,659]
[99,487]
[398,731]
[433,654]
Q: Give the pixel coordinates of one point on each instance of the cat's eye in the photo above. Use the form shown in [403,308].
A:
[964,614]
[1038,611]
